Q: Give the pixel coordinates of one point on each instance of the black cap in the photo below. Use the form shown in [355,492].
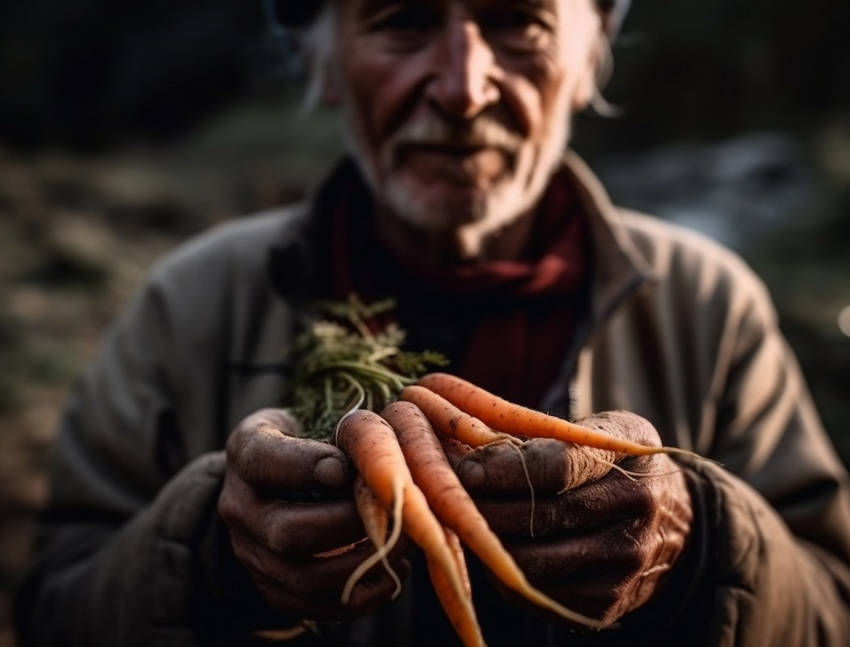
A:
[293,13]
[300,13]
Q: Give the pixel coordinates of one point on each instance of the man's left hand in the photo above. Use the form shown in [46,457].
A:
[602,547]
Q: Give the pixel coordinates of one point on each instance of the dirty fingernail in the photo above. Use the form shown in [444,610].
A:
[330,471]
[472,474]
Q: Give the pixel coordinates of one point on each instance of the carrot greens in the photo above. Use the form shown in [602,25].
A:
[349,359]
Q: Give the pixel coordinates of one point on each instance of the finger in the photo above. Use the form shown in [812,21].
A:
[268,459]
[309,528]
[591,573]
[285,527]
[609,500]
[280,418]
[624,424]
[377,587]
[550,466]
[366,596]
[618,549]
[313,586]
[603,574]
[598,598]
[505,469]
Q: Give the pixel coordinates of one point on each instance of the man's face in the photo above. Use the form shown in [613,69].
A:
[458,110]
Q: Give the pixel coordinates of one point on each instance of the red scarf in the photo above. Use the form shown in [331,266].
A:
[506,325]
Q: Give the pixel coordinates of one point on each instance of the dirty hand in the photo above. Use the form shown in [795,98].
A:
[288,505]
[601,547]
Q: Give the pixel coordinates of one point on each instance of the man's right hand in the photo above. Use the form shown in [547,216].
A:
[293,524]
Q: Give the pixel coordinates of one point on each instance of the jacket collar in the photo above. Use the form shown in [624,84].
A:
[618,266]
[293,257]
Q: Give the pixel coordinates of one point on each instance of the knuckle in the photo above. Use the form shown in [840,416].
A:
[281,419]
[230,505]
[248,459]
[280,536]
[631,547]
[631,557]
[242,553]
[227,510]
[643,500]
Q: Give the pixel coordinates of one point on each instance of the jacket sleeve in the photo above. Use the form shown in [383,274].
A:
[768,561]
[778,512]
[130,547]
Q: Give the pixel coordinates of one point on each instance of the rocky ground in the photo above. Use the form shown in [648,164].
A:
[66,265]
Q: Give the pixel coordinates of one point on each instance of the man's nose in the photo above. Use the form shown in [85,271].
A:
[465,80]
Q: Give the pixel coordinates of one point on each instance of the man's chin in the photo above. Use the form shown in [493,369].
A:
[437,208]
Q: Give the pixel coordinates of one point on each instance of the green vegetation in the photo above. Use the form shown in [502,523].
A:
[349,361]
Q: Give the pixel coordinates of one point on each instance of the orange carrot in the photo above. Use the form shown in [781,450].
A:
[446,593]
[451,421]
[374,516]
[454,507]
[517,420]
[374,449]
[375,522]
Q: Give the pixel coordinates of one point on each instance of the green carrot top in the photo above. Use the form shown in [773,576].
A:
[346,360]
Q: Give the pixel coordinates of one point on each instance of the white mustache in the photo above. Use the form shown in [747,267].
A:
[483,132]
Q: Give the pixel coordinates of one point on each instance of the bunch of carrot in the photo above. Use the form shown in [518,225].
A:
[407,478]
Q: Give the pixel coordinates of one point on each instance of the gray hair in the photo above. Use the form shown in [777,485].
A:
[315,43]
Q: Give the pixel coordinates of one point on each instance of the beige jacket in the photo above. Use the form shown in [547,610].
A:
[131,551]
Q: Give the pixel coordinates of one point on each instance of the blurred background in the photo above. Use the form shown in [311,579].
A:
[127,127]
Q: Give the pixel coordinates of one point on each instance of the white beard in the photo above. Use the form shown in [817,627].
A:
[479,213]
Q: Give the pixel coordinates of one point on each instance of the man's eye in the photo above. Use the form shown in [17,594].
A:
[515,23]
[511,19]
[406,17]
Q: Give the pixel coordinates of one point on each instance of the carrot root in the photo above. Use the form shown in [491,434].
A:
[375,523]
[463,624]
[382,549]
[533,501]
[284,635]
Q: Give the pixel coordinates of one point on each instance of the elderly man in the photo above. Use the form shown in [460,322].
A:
[456,199]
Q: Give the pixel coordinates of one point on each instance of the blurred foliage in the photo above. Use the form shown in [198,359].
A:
[91,73]
[713,68]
